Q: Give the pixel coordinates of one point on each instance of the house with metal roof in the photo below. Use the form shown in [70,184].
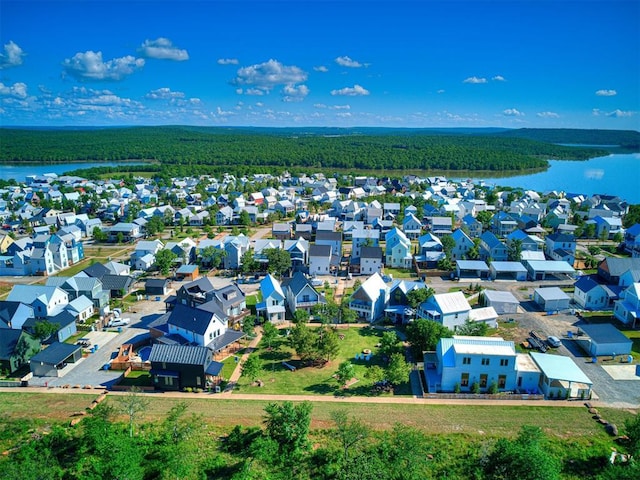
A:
[590,294]
[272,306]
[551,299]
[45,300]
[398,249]
[561,377]
[16,348]
[627,309]
[176,367]
[541,269]
[508,271]
[369,300]
[502,301]
[55,360]
[449,309]
[603,339]
[492,248]
[472,269]
[300,293]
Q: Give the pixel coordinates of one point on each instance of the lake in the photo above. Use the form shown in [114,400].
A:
[20,172]
[617,174]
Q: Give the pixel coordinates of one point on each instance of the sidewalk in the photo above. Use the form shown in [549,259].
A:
[237,373]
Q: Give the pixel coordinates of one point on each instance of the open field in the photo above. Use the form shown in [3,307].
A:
[557,421]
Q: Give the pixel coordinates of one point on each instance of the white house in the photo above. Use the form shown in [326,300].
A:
[462,245]
[272,306]
[370,260]
[590,294]
[462,361]
[300,294]
[627,309]
[320,260]
[449,309]
[369,300]
[398,249]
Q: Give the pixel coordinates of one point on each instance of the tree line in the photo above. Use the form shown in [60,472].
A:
[182,446]
[257,148]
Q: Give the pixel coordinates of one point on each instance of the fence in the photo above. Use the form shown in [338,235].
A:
[483,396]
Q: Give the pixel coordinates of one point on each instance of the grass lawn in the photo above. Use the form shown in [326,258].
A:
[400,273]
[138,378]
[311,380]
[229,365]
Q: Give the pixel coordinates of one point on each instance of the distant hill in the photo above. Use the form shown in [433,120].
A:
[628,140]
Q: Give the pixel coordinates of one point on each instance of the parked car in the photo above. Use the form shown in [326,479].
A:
[553,341]
[118,322]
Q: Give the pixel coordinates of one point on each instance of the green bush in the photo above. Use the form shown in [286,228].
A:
[475,387]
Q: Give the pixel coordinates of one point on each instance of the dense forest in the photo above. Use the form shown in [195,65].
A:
[623,140]
[181,445]
[312,149]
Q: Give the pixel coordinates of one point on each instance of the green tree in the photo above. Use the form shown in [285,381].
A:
[269,333]
[345,372]
[375,374]
[419,295]
[424,334]
[99,235]
[279,260]
[288,425]
[389,344]
[473,329]
[351,433]
[43,329]
[155,225]
[248,325]
[248,263]
[632,429]
[514,251]
[303,342]
[300,316]
[525,458]
[398,370]
[448,244]
[252,367]
[328,343]
[132,403]
[164,261]
[244,218]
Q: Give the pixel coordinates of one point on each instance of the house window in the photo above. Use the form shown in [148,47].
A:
[483,380]
[485,361]
[168,381]
[502,381]
[504,362]
[466,361]
[198,381]
[464,380]
[519,381]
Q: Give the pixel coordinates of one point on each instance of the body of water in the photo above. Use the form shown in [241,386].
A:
[617,174]
[20,172]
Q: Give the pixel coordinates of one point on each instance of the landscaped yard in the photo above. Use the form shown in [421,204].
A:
[312,380]
[138,378]
[400,273]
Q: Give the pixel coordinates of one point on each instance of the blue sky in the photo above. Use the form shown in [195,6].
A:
[510,63]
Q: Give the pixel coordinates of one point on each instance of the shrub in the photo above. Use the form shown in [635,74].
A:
[188,389]
[475,387]
[493,388]
[456,388]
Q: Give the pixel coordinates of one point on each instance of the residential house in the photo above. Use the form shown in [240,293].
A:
[411,226]
[370,261]
[14,314]
[281,231]
[82,285]
[299,253]
[608,227]
[430,251]
[125,232]
[366,237]
[369,300]
[448,309]
[399,308]
[398,250]
[503,223]
[46,301]
[491,248]
[320,259]
[185,251]
[627,309]
[17,347]
[461,362]
[527,242]
[588,293]
[300,294]
[612,269]
[561,246]
[632,240]
[441,226]
[272,306]
[176,367]
[462,245]
[331,238]
[224,216]
[144,254]
[472,226]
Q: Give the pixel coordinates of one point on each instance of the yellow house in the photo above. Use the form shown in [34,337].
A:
[5,241]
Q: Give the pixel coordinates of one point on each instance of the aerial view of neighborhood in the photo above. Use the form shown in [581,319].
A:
[233,251]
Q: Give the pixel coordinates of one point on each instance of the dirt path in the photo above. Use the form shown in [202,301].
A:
[237,373]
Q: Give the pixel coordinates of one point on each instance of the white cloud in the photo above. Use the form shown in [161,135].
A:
[620,114]
[341,107]
[254,91]
[17,90]
[12,56]
[265,76]
[319,105]
[512,112]
[162,49]
[90,66]
[164,93]
[321,68]
[356,90]
[440,91]
[346,61]
[547,115]
[259,104]
[224,113]
[475,80]
[498,78]
[293,93]
[228,61]
[343,114]
[606,93]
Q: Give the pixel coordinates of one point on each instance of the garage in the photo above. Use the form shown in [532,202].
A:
[508,271]
[472,269]
[604,340]
[53,360]
[502,302]
[551,299]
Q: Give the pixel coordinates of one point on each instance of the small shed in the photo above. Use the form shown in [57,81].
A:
[551,299]
[604,339]
[51,361]
[502,302]
[472,269]
[157,286]
[508,271]
[541,269]
[188,272]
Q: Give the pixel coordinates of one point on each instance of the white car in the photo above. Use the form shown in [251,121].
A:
[118,322]
[553,342]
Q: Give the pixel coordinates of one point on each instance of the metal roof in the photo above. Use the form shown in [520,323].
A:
[182,354]
[557,367]
[605,333]
[55,353]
